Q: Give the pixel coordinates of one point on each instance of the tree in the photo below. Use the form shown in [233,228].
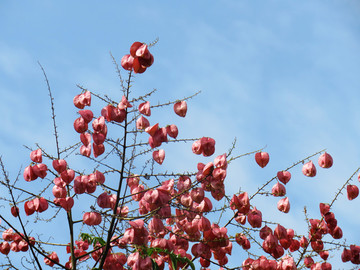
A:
[124,211]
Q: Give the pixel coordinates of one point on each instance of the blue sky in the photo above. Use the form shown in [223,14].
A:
[280,74]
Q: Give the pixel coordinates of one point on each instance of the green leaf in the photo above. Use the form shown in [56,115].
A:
[92,239]
[99,240]
[149,251]
[85,236]
[173,259]
[189,262]
[154,264]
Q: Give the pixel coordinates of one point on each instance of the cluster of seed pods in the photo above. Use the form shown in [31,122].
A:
[159,135]
[54,257]
[33,171]
[14,242]
[318,228]
[212,175]
[215,240]
[139,58]
[326,161]
[189,224]
[286,263]
[80,249]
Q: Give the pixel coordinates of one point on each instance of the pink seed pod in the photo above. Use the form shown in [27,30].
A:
[107,111]
[159,156]
[172,131]
[123,211]
[23,246]
[79,101]
[53,256]
[278,190]
[220,161]
[308,261]
[99,124]
[255,218]
[242,240]
[352,192]
[59,192]
[66,203]
[79,186]
[325,160]
[196,147]
[91,187]
[144,108]
[142,51]
[151,130]
[92,218]
[127,62]
[197,194]
[142,123]
[86,98]
[99,138]
[40,204]
[262,159]
[124,103]
[87,115]
[204,224]
[186,200]
[309,169]
[8,235]
[99,149]
[336,233]
[264,232]
[241,219]
[133,181]
[36,156]
[324,208]
[103,200]
[134,47]
[284,176]
[118,115]
[5,248]
[304,242]
[85,138]
[59,165]
[98,177]
[112,113]
[207,146]
[156,227]
[29,208]
[14,247]
[67,176]
[324,254]
[137,67]
[40,170]
[205,205]
[284,205]
[161,135]
[14,211]
[59,182]
[326,266]
[85,150]
[80,125]
[208,169]
[29,174]
[180,108]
